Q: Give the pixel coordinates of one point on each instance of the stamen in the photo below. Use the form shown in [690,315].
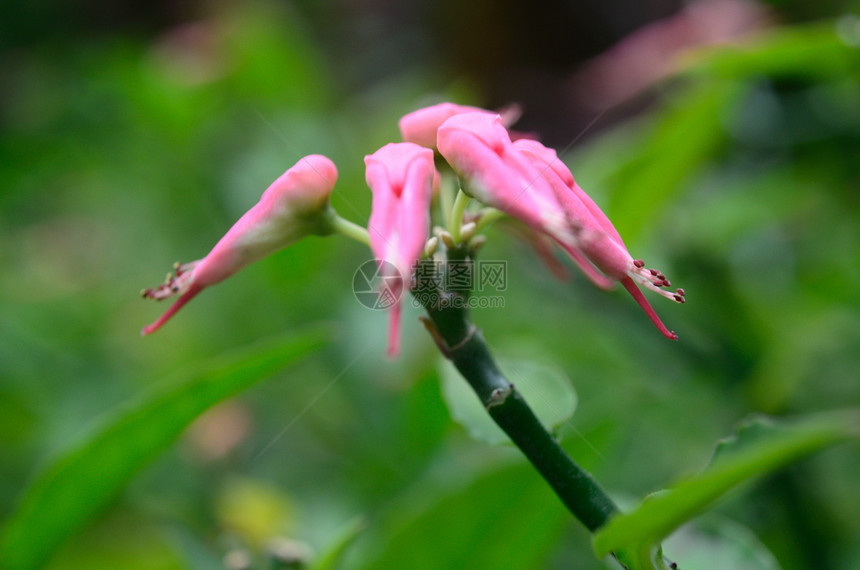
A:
[648,279]
[172,285]
[192,291]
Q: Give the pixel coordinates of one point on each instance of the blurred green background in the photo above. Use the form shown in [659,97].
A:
[134,134]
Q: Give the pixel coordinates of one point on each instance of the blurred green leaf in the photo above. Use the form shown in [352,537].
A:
[78,483]
[507,518]
[670,146]
[758,447]
[810,51]
[544,386]
[333,555]
[717,542]
[645,557]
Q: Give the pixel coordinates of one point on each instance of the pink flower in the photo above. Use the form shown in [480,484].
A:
[420,126]
[291,208]
[497,173]
[595,236]
[400,175]
[527,181]
[479,149]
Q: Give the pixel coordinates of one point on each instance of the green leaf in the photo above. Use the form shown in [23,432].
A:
[813,50]
[76,485]
[671,145]
[717,542]
[507,518]
[645,557]
[758,447]
[332,557]
[545,387]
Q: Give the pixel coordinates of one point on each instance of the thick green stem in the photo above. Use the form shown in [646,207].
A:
[574,486]
[467,349]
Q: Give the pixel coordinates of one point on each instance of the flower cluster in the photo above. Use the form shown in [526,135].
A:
[514,176]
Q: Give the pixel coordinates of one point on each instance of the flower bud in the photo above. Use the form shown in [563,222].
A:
[400,175]
[420,127]
[294,206]
[595,238]
[479,149]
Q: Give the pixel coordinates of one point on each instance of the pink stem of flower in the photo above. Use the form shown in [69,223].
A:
[174,308]
[631,286]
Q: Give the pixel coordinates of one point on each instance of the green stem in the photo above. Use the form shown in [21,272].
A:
[574,486]
[336,224]
[446,196]
[487,217]
[457,211]
[464,344]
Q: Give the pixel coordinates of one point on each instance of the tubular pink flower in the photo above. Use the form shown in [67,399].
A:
[291,208]
[497,173]
[595,236]
[420,126]
[400,175]
[479,149]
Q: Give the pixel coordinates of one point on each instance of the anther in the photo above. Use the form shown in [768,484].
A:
[681,292]
[654,272]
[639,263]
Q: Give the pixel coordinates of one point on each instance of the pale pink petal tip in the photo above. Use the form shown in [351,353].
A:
[394,332]
[192,292]
[630,285]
